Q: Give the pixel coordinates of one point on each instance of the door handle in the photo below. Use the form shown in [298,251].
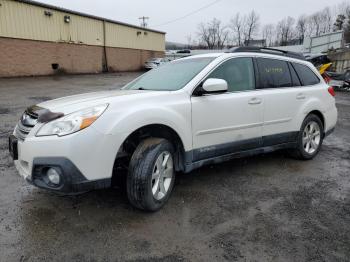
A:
[254,101]
[301,96]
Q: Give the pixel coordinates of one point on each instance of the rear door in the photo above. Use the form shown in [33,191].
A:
[282,95]
[228,122]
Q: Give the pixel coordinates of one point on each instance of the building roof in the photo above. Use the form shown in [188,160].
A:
[52,7]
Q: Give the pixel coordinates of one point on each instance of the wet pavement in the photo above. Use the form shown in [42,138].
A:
[263,208]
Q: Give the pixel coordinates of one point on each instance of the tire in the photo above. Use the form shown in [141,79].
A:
[151,175]
[309,142]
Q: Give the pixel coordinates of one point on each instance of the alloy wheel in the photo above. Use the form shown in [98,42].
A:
[162,175]
[311,137]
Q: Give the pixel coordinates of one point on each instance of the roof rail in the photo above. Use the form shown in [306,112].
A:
[266,50]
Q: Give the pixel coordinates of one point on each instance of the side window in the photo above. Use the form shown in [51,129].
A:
[306,75]
[274,73]
[295,78]
[238,73]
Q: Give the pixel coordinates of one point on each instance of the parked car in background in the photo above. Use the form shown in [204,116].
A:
[341,81]
[317,59]
[184,51]
[155,62]
[190,112]
[170,52]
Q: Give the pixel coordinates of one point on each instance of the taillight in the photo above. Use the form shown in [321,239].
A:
[331,91]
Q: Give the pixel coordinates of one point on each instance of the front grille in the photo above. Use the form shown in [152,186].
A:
[25,124]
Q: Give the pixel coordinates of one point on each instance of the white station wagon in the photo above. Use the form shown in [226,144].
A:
[187,113]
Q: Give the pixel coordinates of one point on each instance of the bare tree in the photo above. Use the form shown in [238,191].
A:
[329,19]
[205,35]
[316,20]
[213,34]
[222,34]
[251,26]
[285,30]
[244,27]
[339,22]
[342,9]
[301,27]
[342,21]
[310,28]
[236,25]
[347,24]
[326,20]
[268,32]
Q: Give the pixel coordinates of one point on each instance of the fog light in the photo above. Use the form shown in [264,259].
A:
[53,176]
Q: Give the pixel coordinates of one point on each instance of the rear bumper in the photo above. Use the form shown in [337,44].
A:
[331,117]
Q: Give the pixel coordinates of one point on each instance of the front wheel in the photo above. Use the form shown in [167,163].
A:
[151,174]
[310,138]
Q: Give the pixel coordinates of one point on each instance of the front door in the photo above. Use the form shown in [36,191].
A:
[228,122]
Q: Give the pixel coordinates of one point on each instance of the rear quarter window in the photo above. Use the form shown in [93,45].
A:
[295,78]
[306,75]
[274,73]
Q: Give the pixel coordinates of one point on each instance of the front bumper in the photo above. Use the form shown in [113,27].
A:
[71,179]
[86,159]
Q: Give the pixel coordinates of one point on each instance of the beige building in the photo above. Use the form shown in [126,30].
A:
[40,39]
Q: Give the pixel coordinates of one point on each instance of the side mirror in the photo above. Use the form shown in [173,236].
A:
[214,85]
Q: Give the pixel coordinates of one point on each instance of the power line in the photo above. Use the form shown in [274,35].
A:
[189,14]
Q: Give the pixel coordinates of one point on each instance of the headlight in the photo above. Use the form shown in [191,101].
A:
[73,122]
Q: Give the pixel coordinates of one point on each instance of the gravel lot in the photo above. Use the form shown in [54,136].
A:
[264,208]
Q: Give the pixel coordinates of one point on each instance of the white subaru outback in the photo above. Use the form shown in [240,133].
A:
[194,111]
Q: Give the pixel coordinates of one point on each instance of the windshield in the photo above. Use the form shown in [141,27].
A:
[170,76]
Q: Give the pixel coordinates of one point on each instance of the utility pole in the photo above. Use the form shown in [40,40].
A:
[144,21]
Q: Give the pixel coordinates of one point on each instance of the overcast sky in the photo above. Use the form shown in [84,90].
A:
[162,11]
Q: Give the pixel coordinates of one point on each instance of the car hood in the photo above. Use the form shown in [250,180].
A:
[76,102]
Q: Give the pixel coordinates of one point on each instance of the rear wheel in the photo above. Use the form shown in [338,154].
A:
[151,174]
[310,138]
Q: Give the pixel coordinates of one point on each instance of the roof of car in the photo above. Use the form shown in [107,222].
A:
[204,55]
[266,50]
[256,51]
[253,54]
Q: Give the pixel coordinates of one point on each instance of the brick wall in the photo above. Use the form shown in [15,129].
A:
[123,59]
[29,58]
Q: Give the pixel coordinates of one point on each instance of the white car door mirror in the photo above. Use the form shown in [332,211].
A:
[214,85]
